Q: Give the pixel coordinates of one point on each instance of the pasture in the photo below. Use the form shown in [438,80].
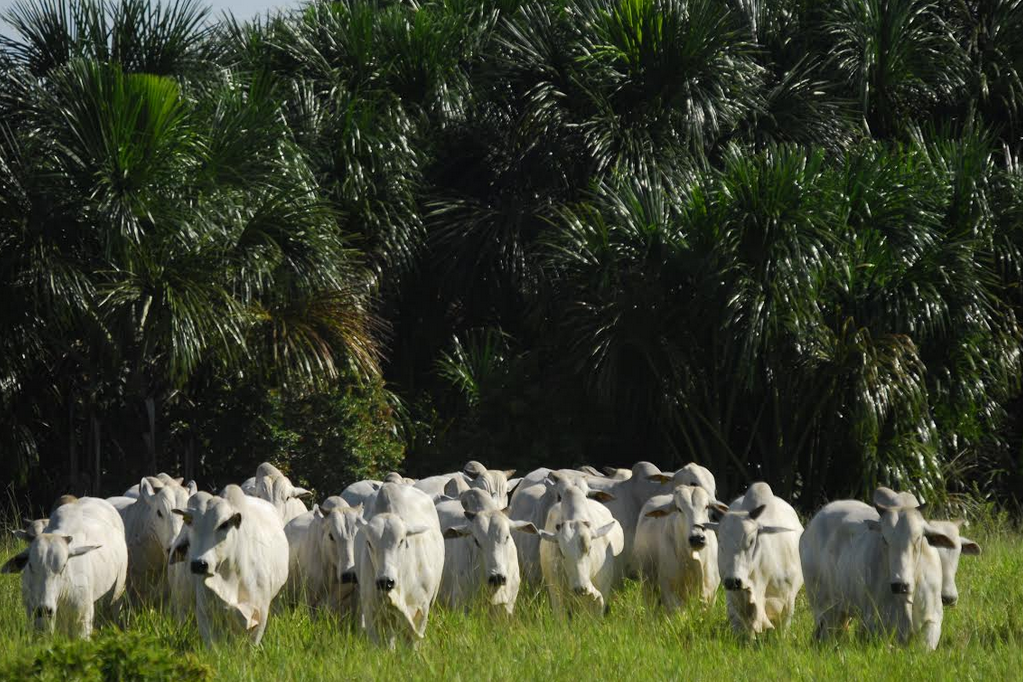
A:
[982,639]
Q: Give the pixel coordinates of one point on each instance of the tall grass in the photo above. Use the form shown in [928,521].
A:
[982,639]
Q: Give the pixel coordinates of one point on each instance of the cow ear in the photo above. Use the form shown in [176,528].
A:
[186,516]
[711,525]
[456,532]
[179,480]
[717,510]
[547,535]
[16,563]
[508,473]
[524,527]
[587,469]
[417,530]
[660,478]
[84,549]
[178,552]
[883,509]
[146,489]
[609,471]
[659,512]
[600,496]
[771,530]
[192,488]
[22,535]
[935,539]
[758,511]
[872,524]
[233,522]
[470,515]
[605,529]
[969,546]
[300,492]
[317,512]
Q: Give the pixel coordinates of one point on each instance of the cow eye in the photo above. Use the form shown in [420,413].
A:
[331,536]
[159,513]
[476,541]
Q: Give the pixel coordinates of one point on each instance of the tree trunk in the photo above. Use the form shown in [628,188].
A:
[72,446]
[189,466]
[97,478]
[151,464]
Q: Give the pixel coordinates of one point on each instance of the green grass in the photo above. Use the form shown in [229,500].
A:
[982,639]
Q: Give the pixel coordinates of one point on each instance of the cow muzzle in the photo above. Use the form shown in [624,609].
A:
[900,588]
[199,567]
[385,584]
[697,541]
[948,600]
[349,578]
[497,579]
[733,584]
[43,612]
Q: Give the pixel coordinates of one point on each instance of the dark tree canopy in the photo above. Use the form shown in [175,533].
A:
[782,239]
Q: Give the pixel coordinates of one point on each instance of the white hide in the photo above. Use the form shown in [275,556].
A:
[399,563]
[758,560]
[949,555]
[361,493]
[150,527]
[479,552]
[277,489]
[321,547]
[882,568]
[581,553]
[643,559]
[76,565]
[685,556]
[237,554]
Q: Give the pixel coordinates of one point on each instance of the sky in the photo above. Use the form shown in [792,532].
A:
[242,9]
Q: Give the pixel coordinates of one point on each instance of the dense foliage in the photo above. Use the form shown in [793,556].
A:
[783,239]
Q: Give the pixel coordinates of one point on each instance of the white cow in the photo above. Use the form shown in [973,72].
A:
[495,482]
[628,497]
[277,489]
[164,479]
[150,527]
[321,546]
[361,493]
[949,556]
[888,573]
[758,559]
[532,500]
[649,530]
[78,563]
[31,529]
[686,558]
[400,560]
[238,556]
[180,584]
[580,556]
[479,550]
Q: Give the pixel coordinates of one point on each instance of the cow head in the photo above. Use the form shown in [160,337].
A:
[739,535]
[492,481]
[906,534]
[575,540]
[386,544]
[338,528]
[31,530]
[43,578]
[491,532]
[694,508]
[159,502]
[212,532]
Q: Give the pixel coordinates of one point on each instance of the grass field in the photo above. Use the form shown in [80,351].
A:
[982,640]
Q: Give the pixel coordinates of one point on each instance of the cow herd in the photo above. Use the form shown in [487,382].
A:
[383,552]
